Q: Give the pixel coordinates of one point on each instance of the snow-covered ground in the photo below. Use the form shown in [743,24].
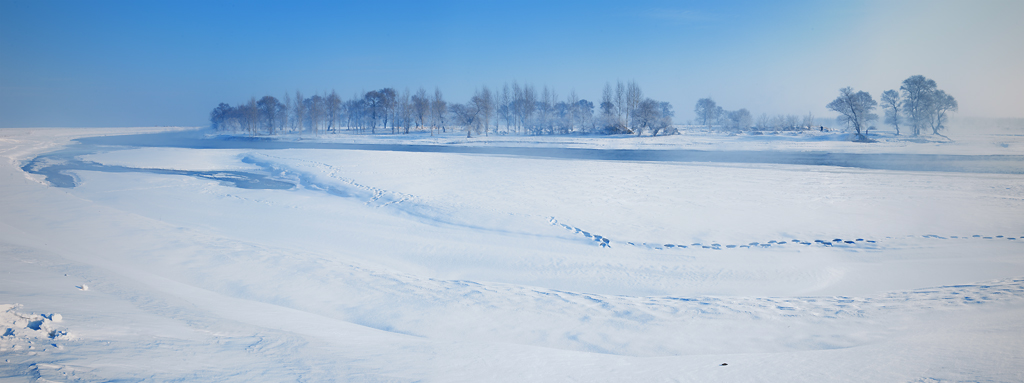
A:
[390,265]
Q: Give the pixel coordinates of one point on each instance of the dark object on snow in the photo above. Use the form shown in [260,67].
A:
[724,364]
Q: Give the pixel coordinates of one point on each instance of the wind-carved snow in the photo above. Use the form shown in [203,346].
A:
[373,196]
[405,266]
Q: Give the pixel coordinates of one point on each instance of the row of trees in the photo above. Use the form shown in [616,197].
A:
[919,103]
[712,116]
[520,108]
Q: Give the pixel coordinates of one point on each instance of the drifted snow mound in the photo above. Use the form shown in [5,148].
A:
[20,329]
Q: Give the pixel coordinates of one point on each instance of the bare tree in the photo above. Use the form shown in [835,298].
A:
[763,122]
[854,108]
[634,96]
[485,105]
[808,120]
[941,104]
[620,102]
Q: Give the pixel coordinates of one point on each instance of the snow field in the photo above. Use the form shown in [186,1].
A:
[393,266]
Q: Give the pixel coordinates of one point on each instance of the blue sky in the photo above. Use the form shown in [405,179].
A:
[144,63]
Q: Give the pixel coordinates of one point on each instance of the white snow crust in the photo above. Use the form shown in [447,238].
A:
[414,266]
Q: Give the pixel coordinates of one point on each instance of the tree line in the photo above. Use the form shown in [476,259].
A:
[521,109]
[514,109]
[918,104]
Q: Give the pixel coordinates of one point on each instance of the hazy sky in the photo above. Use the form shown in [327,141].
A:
[144,63]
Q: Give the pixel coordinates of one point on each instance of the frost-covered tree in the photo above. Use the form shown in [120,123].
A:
[585,110]
[740,119]
[634,96]
[607,101]
[374,110]
[250,116]
[220,115]
[854,108]
[300,111]
[486,106]
[355,113]
[405,111]
[917,94]
[924,105]
[707,111]
[941,104]
[808,120]
[610,120]
[652,116]
[286,117]
[620,102]
[504,108]
[892,106]
[438,111]
[421,107]
[466,115]
[269,108]
[389,107]
[571,111]
[527,106]
[332,105]
[317,107]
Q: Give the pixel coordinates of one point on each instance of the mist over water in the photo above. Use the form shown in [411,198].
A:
[56,165]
